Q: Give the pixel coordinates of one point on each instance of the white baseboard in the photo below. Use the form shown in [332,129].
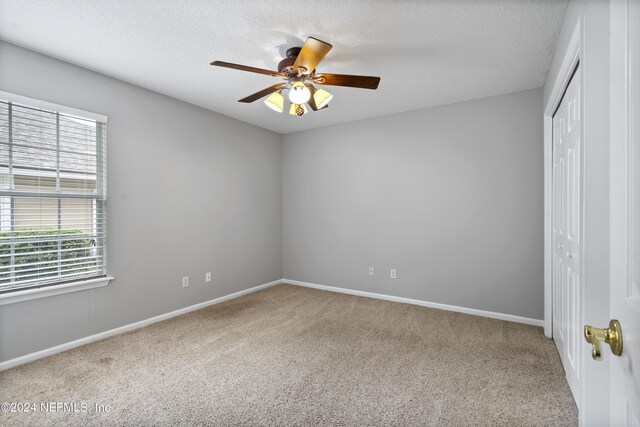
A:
[8,364]
[473,311]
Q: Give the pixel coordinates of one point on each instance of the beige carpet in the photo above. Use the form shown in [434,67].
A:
[294,356]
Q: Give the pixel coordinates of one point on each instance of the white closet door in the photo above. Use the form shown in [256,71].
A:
[567,332]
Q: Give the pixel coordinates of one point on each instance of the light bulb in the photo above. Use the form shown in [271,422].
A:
[322,98]
[275,101]
[298,110]
[299,93]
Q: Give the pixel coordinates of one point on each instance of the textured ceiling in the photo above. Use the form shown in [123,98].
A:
[426,52]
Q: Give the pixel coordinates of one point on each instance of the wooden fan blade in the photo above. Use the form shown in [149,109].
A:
[363,82]
[246,68]
[311,54]
[312,101]
[262,93]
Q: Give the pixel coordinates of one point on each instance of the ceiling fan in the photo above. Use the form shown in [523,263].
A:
[298,70]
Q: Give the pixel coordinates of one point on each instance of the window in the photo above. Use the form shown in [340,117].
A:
[52,194]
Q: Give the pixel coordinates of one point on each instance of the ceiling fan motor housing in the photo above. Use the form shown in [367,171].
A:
[286,65]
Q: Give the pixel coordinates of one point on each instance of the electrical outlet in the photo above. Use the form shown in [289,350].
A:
[393,273]
[185,281]
[207,277]
[372,271]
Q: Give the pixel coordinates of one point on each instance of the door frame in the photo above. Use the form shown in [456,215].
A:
[621,186]
[573,57]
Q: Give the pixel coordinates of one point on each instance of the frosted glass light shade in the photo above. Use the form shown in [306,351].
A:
[322,98]
[275,101]
[299,93]
[298,110]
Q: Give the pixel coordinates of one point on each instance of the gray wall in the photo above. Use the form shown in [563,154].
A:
[189,191]
[450,196]
[595,64]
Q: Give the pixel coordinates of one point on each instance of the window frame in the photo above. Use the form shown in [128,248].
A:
[56,288]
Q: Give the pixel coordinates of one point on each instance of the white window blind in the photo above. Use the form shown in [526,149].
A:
[52,196]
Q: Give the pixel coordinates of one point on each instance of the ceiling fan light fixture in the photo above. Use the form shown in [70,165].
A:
[298,110]
[298,70]
[322,98]
[299,93]
[275,101]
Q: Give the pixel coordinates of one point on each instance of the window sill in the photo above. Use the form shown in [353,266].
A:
[49,291]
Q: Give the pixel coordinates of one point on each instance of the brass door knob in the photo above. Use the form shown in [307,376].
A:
[611,335]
